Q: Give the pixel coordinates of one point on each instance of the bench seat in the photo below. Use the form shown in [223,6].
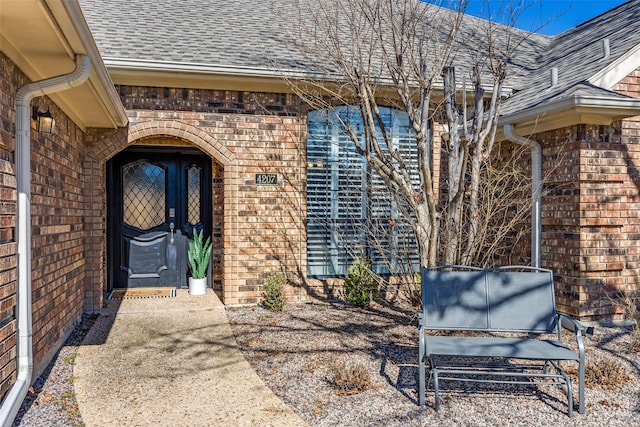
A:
[515,348]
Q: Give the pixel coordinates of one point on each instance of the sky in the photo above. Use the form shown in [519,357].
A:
[567,13]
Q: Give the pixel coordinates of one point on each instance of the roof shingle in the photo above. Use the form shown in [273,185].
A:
[246,34]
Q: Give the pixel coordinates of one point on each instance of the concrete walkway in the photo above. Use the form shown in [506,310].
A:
[170,362]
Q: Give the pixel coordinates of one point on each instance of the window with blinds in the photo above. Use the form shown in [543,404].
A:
[350,212]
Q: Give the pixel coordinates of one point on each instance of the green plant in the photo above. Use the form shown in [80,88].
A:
[274,292]
[199,254]
[69,403]
[71,358]
[360,284]
[349,379]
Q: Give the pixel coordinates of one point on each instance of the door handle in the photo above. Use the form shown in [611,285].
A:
[171,227]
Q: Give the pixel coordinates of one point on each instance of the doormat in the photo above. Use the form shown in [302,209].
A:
[142,293]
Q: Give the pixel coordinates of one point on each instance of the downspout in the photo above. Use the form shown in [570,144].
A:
[536,182]
[15,396]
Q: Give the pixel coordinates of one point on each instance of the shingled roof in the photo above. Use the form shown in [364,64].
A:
[579,55]
[246,36]
[243,34]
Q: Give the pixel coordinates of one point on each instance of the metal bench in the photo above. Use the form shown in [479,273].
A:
[509,309]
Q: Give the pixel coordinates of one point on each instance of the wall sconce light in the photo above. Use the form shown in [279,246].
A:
[445,135]
[44,121]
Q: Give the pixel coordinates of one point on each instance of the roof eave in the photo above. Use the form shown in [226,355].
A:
[578,109]
[57,33]
[196,76]
[134,72]
[101,83]
[617,70]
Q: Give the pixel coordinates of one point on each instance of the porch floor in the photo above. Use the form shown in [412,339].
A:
[168,362]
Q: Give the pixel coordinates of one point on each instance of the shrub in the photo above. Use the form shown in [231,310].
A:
[349,379]
[414,290]
[630,305]
[632,312]
[635,341]
[606,373]
[274,292]
[360,284]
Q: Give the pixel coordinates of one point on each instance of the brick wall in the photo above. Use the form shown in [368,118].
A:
[57,233]
[257,229]
[589,211]
[95,208]
[8,277]
[10,80]
[208,101]
[590,216]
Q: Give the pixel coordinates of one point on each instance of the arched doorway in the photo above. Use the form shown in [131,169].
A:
[156,198]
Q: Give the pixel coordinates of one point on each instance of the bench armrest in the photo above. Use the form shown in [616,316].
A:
[579,329]
[574,325]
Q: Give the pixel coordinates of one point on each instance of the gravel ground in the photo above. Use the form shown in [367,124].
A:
[298,353]
[51,401]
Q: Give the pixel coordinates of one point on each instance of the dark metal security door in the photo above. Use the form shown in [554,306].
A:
[156,197]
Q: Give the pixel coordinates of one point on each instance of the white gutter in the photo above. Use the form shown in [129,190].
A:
[13,400]
[536,182]
[196,68]
[143,66]
[614,106]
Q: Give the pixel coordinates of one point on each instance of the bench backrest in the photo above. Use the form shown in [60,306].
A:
[516,299]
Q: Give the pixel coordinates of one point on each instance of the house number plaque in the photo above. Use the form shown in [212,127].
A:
[266,179]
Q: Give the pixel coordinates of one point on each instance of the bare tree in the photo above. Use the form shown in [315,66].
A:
[408,55]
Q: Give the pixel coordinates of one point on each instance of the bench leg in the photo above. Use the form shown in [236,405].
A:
[569,390]
[436,388]
[421,370]
[581,375]
[568,386]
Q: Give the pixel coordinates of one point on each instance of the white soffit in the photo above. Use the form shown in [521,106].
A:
[42,38]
